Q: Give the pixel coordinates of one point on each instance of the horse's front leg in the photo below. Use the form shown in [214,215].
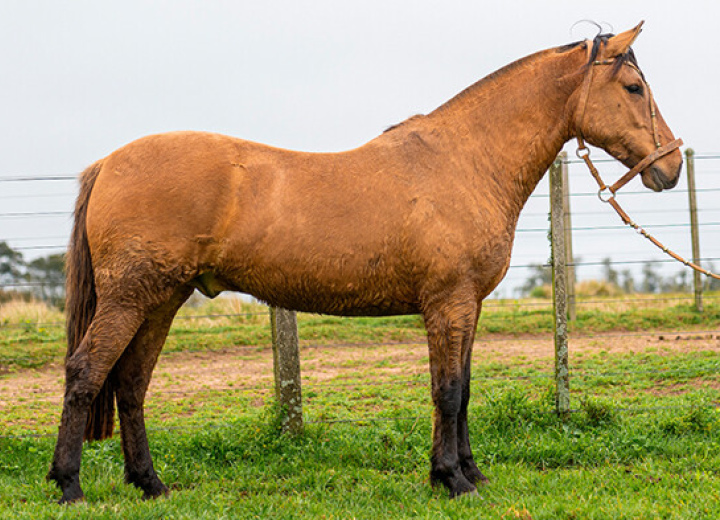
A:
[467,462]
[450,324]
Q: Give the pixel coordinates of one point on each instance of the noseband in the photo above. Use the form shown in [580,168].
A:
[583,152]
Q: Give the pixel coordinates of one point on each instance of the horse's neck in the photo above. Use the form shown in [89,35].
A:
[515,122]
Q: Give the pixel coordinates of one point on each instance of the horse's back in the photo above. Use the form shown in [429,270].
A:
[290,227]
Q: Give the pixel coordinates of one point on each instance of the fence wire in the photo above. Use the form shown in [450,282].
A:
[710,370]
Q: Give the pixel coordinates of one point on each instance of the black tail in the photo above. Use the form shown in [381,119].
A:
[80,305]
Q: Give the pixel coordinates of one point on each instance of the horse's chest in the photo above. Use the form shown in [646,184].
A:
[489,254]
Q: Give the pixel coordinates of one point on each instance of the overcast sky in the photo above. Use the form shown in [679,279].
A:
[81,78]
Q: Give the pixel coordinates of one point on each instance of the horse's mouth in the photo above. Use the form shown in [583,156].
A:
[655,179]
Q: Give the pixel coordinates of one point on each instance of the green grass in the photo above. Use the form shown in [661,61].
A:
[614,465]
[28,344]
[643,441]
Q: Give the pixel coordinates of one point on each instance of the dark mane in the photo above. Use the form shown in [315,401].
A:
[598,41]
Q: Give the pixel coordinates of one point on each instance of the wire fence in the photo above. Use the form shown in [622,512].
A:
[589,221]
[16,223]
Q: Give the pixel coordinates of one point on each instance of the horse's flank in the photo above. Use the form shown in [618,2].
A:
[358,232]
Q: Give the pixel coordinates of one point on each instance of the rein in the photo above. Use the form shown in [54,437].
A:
[583,152]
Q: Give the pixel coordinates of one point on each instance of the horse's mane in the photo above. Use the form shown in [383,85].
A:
[600,39]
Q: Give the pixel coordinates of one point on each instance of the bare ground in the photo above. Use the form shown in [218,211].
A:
[180,374]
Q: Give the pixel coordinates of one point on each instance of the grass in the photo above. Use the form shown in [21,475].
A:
[32,337]
[643,441]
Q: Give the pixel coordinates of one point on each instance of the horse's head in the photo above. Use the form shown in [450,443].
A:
[615,111]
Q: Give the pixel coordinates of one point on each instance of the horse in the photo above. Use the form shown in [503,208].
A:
[419,220]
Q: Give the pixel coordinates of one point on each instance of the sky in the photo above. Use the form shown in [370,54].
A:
[82,78]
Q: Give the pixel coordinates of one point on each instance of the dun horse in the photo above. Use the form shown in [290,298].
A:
[419,220]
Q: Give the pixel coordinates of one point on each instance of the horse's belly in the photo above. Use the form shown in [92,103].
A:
[322,289]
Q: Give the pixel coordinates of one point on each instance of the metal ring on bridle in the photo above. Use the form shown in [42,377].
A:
[600,194]
[582,155]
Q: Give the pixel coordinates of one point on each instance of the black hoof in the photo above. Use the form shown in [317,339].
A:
[157,492]
[463,490]
[71,498]
[454,481]
[473,474]
[149,484]
[70,486]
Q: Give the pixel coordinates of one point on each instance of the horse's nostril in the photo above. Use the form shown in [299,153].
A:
[662,180]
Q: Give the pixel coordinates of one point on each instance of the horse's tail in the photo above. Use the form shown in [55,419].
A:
[80,305]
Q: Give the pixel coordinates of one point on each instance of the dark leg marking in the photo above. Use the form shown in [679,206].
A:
[131,376]
[467,461]
[86,370]
[450,325]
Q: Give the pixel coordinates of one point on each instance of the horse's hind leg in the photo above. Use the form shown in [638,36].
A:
[450,321]
[86,369]
[131,377]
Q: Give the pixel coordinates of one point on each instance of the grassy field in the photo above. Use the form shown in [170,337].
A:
[643,441]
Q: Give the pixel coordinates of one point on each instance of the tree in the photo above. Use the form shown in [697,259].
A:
[628,282]
[611,275]
[679,282]
[49,273]
[712,284]
[652,281]
[539,275]
[42,278]
[12,264]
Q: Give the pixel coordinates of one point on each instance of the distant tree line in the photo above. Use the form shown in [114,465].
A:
[651,281]
[42,278]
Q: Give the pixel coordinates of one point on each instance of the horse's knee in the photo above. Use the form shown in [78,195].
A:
[448,397]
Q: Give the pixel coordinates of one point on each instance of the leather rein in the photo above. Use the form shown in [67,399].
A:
[583,152]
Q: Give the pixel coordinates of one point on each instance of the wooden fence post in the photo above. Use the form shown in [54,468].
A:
[567,222]
[562,374]
[286,360]
[694,229]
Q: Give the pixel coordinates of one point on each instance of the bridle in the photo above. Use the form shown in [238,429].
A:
[583,152]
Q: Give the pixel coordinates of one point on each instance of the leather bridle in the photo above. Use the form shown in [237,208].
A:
[583,152]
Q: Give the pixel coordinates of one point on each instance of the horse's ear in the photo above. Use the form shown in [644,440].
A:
[620,44]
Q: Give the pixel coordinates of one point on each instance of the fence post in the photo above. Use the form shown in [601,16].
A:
[567,222]
[694,229]
[562,374]
[286,366]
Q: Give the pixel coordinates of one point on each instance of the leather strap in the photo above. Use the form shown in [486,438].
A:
[647,161]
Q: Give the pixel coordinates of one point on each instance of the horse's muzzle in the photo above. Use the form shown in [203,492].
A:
[656,179]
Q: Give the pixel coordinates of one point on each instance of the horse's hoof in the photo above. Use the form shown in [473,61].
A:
[69,500]
[160,492]
[473,474]
[469,495]
[463,492]
[461,487]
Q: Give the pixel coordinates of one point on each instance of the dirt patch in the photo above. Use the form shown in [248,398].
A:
[675,389]
[180,374]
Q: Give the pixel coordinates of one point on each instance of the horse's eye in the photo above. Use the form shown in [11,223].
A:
[634,89]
